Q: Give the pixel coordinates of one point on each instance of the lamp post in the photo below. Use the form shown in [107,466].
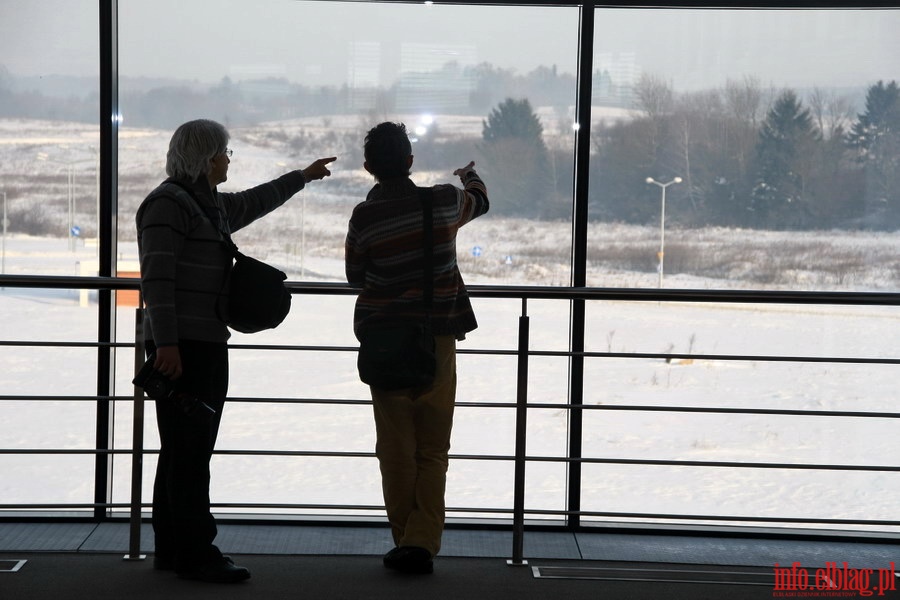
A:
[302,229]
[3,243]
[662,222]
[70,194]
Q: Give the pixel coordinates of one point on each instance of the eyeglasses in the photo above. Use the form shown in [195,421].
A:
[228,152]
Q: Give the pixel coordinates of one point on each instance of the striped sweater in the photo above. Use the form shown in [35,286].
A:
[183,260]
[383,254]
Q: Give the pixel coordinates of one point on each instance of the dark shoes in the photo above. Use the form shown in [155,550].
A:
[221,570]
[409,559]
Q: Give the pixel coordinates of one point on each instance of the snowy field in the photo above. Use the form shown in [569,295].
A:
[304,238]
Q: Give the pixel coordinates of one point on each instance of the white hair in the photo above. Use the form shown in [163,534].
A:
[193,145]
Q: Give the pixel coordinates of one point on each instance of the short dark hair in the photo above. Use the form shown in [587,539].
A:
[386,151]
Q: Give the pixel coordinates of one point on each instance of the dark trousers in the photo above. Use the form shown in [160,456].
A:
[183,525]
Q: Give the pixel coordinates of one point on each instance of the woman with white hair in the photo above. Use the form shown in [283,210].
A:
[184,264]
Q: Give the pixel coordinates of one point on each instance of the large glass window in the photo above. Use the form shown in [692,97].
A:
[294,81]
[742,149]
[745,149]
[49,141]
[729,149]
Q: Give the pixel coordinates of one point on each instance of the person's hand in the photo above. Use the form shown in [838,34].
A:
[168,361]
[463,172]
[318,169]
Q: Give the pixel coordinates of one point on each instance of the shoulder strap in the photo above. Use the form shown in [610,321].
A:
[226,237]
[426,197]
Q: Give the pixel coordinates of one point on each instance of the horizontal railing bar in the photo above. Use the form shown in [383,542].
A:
[486,457]
[54,344]
[505,405]
[539,353]
[588,354]
[518,292]
[601,407]
[487,351]
[72,451]
[714,463]
[724,410]
[24,398]
[488,510]
[59,506]
[643,294]
[718,357]
[687,295]
[501,352]
[470,509]
[70,282]
[668,516]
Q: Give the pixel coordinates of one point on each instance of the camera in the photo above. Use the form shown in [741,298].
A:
[159,387]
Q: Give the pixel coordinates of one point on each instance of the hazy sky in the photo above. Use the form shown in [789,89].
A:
[327,42]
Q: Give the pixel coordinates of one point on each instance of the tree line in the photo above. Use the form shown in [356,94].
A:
[747,156]
[748,161]
[165,104]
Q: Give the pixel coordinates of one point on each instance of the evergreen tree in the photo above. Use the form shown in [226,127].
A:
[516,160]
[783,152]
[876,139]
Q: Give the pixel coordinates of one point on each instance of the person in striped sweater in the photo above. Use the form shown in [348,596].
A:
[383,257]
[184,264]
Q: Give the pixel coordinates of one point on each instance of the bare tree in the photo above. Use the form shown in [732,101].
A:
[743,99]
[831,112]
[654,96]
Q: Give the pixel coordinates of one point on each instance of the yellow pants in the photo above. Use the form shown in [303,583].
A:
[413,440]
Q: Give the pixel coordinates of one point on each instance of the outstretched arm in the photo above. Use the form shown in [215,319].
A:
[245,207]
[473,200]
[463,172]
[318,169]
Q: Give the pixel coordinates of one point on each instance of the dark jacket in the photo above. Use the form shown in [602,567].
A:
[183,260]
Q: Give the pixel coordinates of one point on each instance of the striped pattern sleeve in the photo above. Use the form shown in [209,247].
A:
[183,268]
[163,224]
[242,208]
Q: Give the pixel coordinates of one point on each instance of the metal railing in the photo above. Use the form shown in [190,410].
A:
[523,353]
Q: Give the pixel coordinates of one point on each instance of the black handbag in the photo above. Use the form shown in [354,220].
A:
[257,298]
[396,355]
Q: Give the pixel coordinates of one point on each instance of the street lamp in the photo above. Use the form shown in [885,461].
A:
[302,229]
[70,172]
[3,242]
[662,222]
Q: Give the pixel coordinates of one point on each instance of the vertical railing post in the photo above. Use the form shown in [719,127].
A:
[137,446]
[521,437]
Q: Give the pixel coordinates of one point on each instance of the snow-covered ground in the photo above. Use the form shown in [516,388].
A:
[621,434]
[304,238]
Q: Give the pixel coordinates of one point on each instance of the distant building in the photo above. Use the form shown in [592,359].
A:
[615,75]
[433,79]
[363,74]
